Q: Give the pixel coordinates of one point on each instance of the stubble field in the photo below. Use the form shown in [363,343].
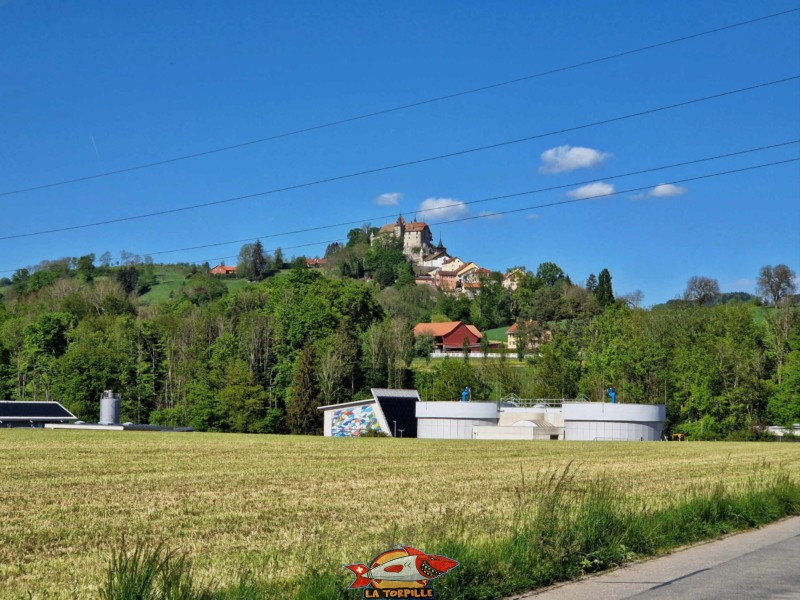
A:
[276,506]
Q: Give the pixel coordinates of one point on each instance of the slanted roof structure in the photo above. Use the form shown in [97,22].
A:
[475,331]
[45,412]
[449,335]
[223,270]
[416,226]
[436,329]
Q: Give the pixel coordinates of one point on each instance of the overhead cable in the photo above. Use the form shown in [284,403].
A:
[403,164]
[402,107]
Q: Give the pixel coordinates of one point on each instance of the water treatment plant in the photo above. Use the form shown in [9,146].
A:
[401,413]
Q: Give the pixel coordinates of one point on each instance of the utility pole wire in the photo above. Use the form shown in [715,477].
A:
[480,201]
[576,200]
[546,205]
[403,106]
[406,163]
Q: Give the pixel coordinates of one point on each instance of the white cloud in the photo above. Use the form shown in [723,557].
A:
[532,216]
[591,190]
[568,158]
[665,190]
[443,208]
[389,199]
[487,214]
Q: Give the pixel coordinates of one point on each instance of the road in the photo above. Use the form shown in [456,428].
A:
[764,563]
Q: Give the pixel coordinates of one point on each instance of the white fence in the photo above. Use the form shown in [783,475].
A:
[475,354]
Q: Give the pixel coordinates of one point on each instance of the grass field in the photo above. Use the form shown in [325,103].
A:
[170,278]
[277,506]
[497,335]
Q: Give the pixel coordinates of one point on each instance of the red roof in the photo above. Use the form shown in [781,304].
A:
[223,270]
[515,327]
[315,262]
[475,331]
[442,329]
[435,329]
[416,226]
[388,228]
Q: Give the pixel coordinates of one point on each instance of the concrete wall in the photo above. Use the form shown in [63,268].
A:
[517,433]
[599,421]
[512,414]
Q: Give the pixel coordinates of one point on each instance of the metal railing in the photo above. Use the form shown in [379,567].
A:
[515,400]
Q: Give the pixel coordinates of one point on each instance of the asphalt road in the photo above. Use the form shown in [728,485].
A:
[764,563]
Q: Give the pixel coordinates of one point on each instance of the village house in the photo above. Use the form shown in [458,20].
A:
[538,334]
[436,258]
[223,270]
[447,281]
[316,263]
[511,279]
[453,264]
[450,336]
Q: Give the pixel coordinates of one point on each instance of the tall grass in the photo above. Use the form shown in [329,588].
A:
[562,527]
[147,572]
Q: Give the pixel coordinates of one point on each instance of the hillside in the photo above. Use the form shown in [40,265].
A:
[223,354]
[170,278]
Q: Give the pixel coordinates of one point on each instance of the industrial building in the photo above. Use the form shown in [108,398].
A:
[588,421]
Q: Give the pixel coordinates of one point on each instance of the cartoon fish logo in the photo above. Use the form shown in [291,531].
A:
[402,567]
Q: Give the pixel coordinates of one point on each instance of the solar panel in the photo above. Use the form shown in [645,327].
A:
[13,411]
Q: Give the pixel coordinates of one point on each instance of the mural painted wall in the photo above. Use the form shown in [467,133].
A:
[356,421]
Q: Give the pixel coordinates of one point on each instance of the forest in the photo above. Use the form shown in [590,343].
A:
[261,357]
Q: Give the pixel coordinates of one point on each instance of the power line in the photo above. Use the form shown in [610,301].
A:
[628,191]
[404,164]
[537,206]
[401,107]
[480,201]
[595,197]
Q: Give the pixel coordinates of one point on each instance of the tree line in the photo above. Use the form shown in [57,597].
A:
[263,358]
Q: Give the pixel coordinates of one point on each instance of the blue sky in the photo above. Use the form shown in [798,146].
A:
[95,86]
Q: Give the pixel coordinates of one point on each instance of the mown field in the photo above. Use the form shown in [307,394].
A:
[277,506]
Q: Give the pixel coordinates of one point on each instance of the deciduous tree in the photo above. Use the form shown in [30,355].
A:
[701,289]
[776,283]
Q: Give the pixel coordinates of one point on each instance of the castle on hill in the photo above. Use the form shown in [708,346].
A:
[432,264]
[417,240]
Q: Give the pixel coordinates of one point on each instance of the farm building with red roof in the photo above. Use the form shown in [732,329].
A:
[450,335]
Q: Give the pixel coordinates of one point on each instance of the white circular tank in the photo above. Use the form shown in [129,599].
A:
[603,421]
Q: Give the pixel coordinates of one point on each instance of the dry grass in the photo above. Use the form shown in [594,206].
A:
[276,505]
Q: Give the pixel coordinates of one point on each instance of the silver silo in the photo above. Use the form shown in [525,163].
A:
[109,408]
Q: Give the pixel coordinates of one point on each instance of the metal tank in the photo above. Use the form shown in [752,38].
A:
[110,408]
